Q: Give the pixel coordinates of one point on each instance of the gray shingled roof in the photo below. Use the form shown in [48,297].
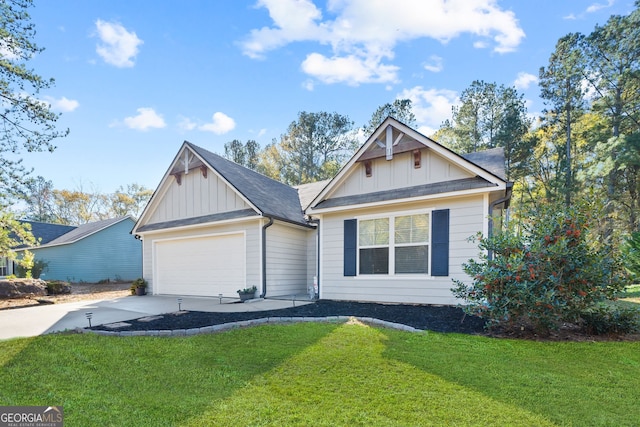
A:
[404,193]
[490,160]
[47,232]
[308,192]
[272,198]
[83,231]
[198,220]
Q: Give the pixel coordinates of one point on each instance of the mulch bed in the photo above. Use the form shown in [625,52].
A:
[425,317]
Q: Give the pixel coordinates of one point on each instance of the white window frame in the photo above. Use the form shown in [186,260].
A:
[4,266]
[392,245]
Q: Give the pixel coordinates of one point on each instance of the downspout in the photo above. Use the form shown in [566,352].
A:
[264,256]
[492,205]
[316,222]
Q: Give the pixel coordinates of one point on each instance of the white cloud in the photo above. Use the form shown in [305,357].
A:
[309,85]
[186,124]
[118,46]
[597,6]
[221,124]
[146,119]
[362,34]
[348,69]
[430,106]
[435,64]
[524,80]
[63,104]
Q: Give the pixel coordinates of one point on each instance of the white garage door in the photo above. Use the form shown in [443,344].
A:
[203,266]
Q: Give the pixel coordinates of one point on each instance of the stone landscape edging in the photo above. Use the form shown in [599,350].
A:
[246,323]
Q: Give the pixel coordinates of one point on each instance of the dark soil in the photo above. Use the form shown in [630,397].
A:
[425,317]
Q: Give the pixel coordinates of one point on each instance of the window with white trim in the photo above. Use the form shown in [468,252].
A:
[394,245]
[4,269]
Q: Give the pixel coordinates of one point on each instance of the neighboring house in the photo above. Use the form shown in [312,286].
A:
[391,226]
[90,252]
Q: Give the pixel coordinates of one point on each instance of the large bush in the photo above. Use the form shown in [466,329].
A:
[631,252]
[546,269]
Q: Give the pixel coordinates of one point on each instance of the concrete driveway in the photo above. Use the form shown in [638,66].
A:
[43,319]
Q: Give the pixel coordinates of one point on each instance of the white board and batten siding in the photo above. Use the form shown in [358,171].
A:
[195,196]
[467,217]
[287,259]
[399,173]
[203,261]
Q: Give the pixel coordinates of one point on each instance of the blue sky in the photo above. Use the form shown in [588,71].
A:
[134,79]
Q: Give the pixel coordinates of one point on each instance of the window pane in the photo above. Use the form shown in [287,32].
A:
[374,261]
[382,231]
[412,229]
[412,259]
[403,229]
[374,232]
[366,232]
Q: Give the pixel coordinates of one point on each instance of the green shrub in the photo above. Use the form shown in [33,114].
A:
[631,254]
[35,271]
[57,287]
[138,283]
[607,319]
[548,271]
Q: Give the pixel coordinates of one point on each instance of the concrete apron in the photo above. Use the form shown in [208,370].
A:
[43,319]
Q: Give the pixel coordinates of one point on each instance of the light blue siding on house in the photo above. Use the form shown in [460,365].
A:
[111,253]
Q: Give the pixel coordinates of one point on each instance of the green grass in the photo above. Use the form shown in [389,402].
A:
[323,374]
[631,294]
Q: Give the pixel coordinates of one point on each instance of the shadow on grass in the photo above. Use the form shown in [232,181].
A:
[345,379]
[569,383]
[134,381]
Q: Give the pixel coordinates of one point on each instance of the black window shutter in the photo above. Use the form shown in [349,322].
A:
[350,246]
[440,243]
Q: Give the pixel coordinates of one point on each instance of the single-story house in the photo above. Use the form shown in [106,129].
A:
[87,253]
[391,226]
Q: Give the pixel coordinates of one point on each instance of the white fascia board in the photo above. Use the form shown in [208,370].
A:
[448,195]
[202,225]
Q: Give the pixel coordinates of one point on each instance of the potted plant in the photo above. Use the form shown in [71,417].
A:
[139,287]
[247,293]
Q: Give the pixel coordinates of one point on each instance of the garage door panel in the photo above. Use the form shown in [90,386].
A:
[204,266]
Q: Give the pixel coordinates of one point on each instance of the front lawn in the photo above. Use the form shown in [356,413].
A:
[323,374]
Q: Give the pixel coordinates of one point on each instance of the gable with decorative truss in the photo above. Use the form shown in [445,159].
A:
[398,162]
[191,189]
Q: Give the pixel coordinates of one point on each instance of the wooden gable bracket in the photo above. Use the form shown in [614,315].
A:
[417,158]
[367,168]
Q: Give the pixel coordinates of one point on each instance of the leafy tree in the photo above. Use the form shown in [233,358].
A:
[490,116]
[311,148]
[27,123]
[400,109]
[40,200]
[613,71]
[561,87]
[246,154]
[129,201]
[631,252]
[13,233]
[76,207]
[546,269]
